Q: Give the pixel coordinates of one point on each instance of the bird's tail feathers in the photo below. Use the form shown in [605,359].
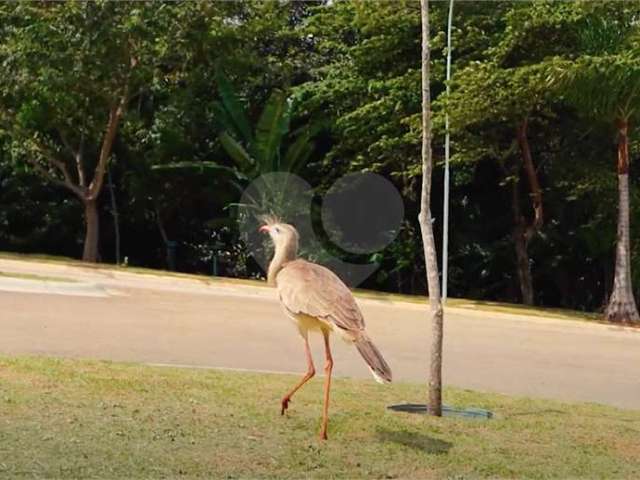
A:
[376,362]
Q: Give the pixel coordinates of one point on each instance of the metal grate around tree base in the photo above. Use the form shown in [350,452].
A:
[447,411]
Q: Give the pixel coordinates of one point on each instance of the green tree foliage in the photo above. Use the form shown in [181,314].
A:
[69,73]
[365,75]
[604,83]
[495,104]
[323,89]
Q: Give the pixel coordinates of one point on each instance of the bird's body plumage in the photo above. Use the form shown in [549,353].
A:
[309,290]
[316,299]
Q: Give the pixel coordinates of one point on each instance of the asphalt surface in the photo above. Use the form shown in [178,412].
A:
[165,320]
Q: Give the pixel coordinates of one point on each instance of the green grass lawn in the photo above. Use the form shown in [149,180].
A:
[80,419]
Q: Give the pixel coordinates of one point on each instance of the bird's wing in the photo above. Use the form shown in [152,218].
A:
[314,290]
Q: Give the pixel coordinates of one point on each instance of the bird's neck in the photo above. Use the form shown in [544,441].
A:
[281,257]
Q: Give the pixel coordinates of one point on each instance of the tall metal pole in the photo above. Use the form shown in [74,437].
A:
[445,230]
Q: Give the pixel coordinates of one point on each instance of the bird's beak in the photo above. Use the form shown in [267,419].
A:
[264,229]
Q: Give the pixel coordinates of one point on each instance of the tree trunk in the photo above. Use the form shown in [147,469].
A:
[622,305]
[114,212]
[169,245]
[523,231]
[532,177]
[521,245]
[523,265]
[92,231]
[426,228]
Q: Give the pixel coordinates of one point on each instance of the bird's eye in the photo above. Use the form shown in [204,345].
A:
[277,230]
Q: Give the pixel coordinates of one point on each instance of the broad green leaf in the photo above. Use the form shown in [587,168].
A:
[298,154]
[223,119]
[233,106]
[198,165]
[272,126]
[237,153]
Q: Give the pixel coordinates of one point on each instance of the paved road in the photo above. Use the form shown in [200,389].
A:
[160,320]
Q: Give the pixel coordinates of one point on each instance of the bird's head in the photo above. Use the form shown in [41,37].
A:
[283,235]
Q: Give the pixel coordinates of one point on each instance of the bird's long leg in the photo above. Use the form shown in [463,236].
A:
[328,367]
[311,371]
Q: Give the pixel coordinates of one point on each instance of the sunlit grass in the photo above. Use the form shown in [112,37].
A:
[71,419]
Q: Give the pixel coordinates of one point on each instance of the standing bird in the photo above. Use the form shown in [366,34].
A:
[316,299]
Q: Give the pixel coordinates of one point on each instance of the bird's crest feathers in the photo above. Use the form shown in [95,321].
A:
[269,219]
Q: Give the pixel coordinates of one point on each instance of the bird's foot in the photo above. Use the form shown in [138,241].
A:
[323,435]
[285,405]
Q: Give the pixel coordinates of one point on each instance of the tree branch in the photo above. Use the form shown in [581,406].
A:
[7,117]
[115,115]
[67,143]
[532,177]
[78,155]
[53,179]
[79,162]
[116,112]
[44,150]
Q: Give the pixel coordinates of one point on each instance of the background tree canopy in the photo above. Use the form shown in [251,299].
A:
[152,117]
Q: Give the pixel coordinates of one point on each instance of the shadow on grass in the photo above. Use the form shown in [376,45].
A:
[417,441]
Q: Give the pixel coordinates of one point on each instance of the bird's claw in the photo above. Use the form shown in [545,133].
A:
[285,405]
